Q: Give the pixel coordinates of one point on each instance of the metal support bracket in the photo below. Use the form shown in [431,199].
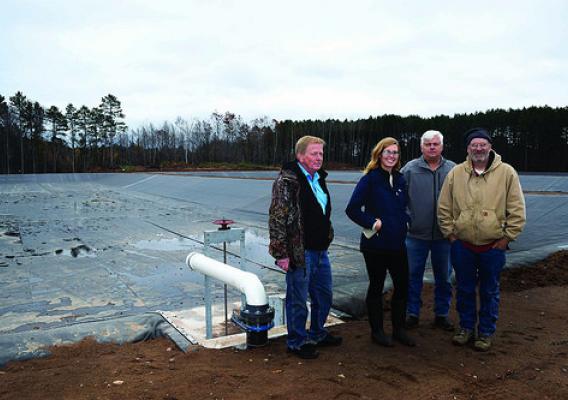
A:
[211,238]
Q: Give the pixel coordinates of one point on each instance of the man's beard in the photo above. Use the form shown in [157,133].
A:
[479,157]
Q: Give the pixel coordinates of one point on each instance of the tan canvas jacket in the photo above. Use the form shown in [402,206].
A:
[480,209]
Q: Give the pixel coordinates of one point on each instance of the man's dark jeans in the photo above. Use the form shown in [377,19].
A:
[314,280]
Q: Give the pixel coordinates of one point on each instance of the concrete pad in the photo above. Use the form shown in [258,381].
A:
[191,324]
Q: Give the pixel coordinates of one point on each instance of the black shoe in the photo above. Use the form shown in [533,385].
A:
[444,323]
[412,321]
[402,337]
[307,351]
[330,341]
[380,338]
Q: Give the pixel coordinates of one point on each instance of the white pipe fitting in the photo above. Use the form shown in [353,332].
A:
[246,282]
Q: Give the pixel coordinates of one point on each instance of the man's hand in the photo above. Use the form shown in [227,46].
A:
[501,244]
[283,264]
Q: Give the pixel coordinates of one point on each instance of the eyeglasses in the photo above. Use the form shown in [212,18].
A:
[390,153]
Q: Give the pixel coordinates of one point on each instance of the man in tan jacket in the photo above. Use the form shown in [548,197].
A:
[481,209]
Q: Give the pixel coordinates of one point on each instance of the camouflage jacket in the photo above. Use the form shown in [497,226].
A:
[285,221]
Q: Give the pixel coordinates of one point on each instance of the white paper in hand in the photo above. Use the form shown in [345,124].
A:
[369,233]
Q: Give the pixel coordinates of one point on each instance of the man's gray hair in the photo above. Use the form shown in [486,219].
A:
[429,135]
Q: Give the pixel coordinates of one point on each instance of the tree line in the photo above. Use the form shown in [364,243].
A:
[531,139]
[35,139]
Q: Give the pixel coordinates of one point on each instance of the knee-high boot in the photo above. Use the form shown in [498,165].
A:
[398,314]
[375,315]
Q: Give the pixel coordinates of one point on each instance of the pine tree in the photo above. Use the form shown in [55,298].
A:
[5,128]
[35,117]
[97,135]
[58,124]
[72,116]
[18,107]
[112,124]
[83,121]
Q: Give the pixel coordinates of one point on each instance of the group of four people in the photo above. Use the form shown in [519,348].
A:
[461,215]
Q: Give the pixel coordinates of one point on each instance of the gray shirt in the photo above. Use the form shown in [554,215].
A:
[424,187]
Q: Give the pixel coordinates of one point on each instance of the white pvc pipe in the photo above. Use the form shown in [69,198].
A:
[246,282]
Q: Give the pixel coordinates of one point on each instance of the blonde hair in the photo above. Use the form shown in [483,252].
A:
[303,143]
[377,152]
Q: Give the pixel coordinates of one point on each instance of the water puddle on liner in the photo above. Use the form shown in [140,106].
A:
[175,244]
[256,254]
[256,246]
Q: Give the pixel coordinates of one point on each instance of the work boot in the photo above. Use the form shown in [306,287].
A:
[330,341]
[482,343]
[444,323]
[307,351]
[462,337]
[380,338]
[412,322]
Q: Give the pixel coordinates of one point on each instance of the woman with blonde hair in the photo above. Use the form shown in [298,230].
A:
[378,205]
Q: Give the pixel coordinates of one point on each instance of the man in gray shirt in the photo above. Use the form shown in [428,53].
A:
[424,178]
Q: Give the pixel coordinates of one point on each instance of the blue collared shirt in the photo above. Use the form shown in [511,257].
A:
[321,197]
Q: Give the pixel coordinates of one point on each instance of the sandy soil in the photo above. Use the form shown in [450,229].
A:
[529,360]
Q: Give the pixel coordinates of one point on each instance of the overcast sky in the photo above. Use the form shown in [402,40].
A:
[286,59]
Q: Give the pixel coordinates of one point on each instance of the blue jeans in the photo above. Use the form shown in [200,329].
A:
[440,256]
[473,268]
[314,280]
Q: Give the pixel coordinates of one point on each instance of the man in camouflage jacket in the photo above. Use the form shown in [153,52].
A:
[300,234]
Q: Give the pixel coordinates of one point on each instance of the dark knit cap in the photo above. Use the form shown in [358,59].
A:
[476,133]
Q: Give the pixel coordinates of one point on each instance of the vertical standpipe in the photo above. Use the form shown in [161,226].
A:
[255,317]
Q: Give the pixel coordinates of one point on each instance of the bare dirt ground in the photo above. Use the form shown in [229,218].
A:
[529,360]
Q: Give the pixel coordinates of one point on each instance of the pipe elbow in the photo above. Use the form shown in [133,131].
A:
[253,289]
[247,282]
